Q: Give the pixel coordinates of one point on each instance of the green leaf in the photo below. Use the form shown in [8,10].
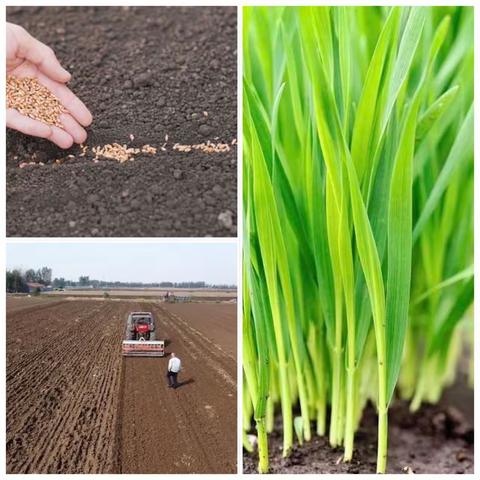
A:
[460,152]
[434,112]
[400,248]
[454,315]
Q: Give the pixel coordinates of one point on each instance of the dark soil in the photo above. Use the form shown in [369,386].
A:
[150,72]
[436,439]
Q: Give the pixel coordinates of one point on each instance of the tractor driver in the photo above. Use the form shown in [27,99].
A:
[174,366]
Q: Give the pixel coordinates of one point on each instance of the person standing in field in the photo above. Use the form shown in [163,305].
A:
[174,367]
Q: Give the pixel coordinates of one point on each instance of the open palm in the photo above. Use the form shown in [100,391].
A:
[27,57]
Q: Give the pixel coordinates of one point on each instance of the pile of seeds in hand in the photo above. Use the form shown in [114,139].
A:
[121,153]
[32,99]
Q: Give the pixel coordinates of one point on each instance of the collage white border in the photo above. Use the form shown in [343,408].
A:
[239,4]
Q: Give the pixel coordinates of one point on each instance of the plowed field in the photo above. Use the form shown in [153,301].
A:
[221,326]
[75,406]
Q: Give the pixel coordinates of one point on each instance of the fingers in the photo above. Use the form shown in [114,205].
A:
[70,101]
[40,54]
[28,126]
[60,137]
[76,131]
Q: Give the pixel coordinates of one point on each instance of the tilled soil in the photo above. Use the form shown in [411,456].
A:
[436,439]
[63,373]
[194,426]
[23,302]
[149,72]
[75,406]
[221,326]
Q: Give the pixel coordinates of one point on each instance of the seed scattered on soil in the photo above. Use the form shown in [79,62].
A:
[84,149]
[149,149]
[207,147]
[26,164]
[132,138]
[121,153]
[32,99]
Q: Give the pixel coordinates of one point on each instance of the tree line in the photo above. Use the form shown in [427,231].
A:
[17,281]
[85,281]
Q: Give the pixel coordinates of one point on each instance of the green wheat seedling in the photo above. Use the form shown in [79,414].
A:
[358,214]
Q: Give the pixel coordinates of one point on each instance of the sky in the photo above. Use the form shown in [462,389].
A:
[214,263]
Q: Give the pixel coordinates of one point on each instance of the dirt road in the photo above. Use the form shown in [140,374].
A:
[75,406]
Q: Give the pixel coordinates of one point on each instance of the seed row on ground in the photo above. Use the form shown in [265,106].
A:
[123,153]
[34,100]
[207,147]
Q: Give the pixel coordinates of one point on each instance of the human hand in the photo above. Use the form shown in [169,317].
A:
[27,57]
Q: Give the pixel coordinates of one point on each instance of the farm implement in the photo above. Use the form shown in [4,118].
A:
[140,337]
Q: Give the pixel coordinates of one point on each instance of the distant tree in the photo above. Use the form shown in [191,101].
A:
[59,282]
[45,276]
[10,281]
[31,275]
[15,282]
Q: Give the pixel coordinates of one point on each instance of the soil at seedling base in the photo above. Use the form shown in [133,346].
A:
[146,72]
[436,439]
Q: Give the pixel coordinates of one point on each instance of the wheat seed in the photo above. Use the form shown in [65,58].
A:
[121,153]
[207,147]
[34,100]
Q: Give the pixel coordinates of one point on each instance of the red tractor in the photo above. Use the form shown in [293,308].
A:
[140,337]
